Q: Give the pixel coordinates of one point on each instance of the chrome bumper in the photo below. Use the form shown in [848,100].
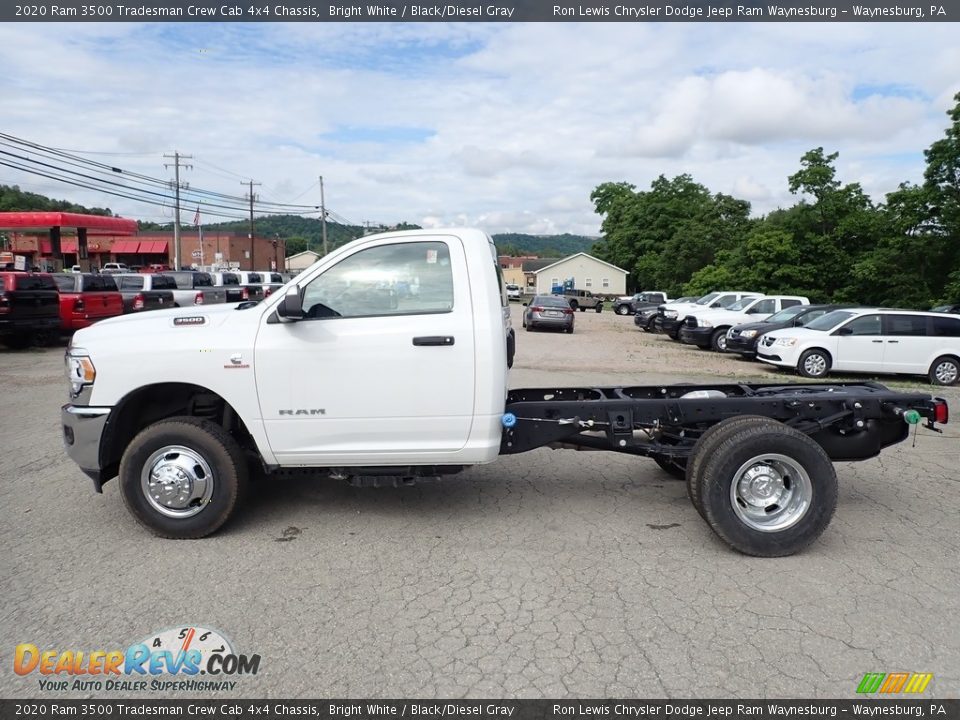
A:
[82,430]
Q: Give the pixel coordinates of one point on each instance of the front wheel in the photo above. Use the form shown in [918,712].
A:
[600,307]
[945,371]
[622,310]
[574,305]
[814,363]
[768,490]
[182,477]
[718,341]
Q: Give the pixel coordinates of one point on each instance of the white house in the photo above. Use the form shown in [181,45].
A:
[587,273]
[302,260]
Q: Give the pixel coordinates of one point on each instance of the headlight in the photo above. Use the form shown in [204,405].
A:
[785,342]
[79,370]
[670,313]
[704,323]
[748,333]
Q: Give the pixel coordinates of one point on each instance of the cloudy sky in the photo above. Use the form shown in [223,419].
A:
[505,126]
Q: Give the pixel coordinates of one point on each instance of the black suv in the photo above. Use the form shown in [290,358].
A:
[743,339]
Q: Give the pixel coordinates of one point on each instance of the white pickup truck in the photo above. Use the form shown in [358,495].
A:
[389,357]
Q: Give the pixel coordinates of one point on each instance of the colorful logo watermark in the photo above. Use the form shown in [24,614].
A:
[894,683]
[185,651]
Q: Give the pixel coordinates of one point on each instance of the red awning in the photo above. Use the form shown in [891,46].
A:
[66,246]
[154,247]
[47,220]
[125,246]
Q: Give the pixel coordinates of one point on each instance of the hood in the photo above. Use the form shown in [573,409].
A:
[761,327]
[161,321]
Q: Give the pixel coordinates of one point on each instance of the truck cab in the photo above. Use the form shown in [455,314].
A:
[392,352]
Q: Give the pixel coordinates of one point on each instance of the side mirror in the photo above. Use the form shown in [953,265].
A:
[844,331]
[290,308]
[525,304]
[716,305]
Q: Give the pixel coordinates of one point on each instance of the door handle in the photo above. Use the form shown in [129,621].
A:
[893,341]
[877,341]
[433,340]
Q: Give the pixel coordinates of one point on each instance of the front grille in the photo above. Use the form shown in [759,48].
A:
[690,321]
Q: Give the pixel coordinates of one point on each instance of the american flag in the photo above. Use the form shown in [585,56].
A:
[196,217]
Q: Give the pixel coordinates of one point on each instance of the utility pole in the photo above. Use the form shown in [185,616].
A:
[252,197]
[323,217]
[177,157]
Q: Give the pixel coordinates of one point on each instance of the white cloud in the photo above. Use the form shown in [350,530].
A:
[523,120]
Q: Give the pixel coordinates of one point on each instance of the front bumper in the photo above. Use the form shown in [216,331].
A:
[768,356]
[82,432]
[742,345]
[670,326]
[699,336]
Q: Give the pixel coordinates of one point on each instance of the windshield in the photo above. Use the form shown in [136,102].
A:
[830,320]
[707,299]
[787,314]
[741,304]
[549,300]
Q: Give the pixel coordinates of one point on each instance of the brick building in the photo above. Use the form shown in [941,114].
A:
[220,247]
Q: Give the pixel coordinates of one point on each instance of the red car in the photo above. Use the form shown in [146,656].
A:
[86,298]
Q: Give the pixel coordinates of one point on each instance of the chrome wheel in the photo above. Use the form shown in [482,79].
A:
[815,365]
[770,493]
[177,481]
[946,372]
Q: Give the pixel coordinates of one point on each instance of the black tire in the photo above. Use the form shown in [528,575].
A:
[528,328]
[574,304]
[600,308]
[673,334]
[674,467]
[945,370]
[569,331]
[718,341]
[206,440]
[582,308]
[796,477]
[650,327]
[707,445]
[622,310]
[814,363]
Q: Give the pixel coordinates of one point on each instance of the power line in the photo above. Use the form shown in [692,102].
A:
[139,187]
[84,163]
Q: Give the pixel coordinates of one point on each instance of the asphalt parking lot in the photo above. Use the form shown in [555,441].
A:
[549,574]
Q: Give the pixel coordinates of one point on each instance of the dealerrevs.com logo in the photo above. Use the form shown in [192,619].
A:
[190,658]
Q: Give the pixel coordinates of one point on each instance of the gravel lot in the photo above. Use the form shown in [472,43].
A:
[553,573]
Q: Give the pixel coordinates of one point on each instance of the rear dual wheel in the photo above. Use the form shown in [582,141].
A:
[764,488]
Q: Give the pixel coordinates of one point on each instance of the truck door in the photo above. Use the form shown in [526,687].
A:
[381,368]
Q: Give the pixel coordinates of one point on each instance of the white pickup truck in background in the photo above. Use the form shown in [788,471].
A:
[389,357]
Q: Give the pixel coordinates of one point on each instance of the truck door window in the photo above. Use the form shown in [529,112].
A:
[402,279]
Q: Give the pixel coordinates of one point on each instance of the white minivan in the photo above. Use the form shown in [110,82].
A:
[871,340]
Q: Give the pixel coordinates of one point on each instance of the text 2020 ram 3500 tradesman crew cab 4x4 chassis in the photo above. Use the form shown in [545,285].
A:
[390,357]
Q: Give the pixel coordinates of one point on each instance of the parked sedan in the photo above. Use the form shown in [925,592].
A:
[549,311]
[743,339]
